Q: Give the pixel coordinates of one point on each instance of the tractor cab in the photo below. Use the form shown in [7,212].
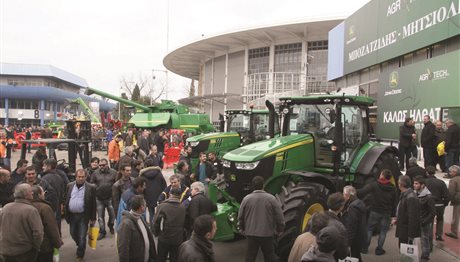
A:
[338,125]
[252,125]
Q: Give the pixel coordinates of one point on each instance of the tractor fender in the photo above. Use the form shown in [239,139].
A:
[370,158]
[274,184]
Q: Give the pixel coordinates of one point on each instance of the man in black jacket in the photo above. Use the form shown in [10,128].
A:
[80,209]
[452,146]
[413,169]
[58,183]
[199,204]
[103,179]
[336,203]
[382,208]
[428,140]
[407,138]
[156,183]
[135,241]
[199,247]
[354,218]
[170,214]
[427,213]
[440,194]
[408,213]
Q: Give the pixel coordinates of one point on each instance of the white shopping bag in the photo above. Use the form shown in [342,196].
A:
[349,259]
[409,253]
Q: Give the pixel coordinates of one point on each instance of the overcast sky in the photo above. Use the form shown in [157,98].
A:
[104,41]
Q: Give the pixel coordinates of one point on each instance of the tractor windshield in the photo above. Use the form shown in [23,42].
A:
[313,119]
[238,123]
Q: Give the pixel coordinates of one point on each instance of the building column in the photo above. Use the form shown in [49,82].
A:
[42,112]
[271,70]
[55,106]
[226,81]
[7,107]
[212,90]
[246,78]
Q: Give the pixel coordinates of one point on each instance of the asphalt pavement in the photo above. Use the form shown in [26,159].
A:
[234,251]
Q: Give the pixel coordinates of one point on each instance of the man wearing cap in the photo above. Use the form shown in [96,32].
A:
[327,241]
[168,226]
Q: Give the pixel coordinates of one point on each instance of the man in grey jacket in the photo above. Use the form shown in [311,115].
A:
[21,227]
[260,219]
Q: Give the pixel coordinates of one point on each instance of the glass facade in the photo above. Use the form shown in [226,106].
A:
[258,67]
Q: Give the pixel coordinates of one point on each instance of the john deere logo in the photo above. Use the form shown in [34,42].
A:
[393,83]
[394,79]
[351,32]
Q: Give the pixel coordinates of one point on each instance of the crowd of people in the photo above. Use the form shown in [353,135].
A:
[142,209]
[130,187]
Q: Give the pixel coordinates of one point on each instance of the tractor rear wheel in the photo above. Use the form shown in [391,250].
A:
[298,203]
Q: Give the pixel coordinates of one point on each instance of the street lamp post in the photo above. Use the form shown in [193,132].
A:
[166,84]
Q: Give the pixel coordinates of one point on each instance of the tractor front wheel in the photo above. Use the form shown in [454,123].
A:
[299,201]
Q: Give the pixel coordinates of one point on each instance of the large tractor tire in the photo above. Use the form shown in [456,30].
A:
[389,161]
[298,203]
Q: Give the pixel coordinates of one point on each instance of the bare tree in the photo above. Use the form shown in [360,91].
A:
[146,85]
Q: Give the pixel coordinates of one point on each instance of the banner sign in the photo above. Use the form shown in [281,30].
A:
[384,29]
[416,90]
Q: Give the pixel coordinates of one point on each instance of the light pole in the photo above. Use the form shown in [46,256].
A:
[166,82]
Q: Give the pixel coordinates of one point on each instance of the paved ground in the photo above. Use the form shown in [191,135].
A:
[232,251]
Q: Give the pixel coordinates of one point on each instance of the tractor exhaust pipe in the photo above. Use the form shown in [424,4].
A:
[271,118]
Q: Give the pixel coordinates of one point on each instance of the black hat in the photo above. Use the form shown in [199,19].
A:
[327,239]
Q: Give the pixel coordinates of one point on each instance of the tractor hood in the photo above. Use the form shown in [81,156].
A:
[266,148]
[150,120]
[210,136]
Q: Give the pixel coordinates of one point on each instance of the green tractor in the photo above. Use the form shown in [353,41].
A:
[324,145]
[237,128]
[168,115]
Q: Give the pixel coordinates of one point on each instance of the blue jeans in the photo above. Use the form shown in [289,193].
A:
[425,240]
[101,206]
[376,219]
[452,157]
[79,231]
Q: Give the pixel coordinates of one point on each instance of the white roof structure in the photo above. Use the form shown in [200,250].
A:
[41,70]
[186,60]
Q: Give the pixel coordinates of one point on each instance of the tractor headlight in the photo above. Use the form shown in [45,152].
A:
[194,143]
[247,166]
[226,163]
[231,217]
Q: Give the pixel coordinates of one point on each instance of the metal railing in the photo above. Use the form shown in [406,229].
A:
[262,86]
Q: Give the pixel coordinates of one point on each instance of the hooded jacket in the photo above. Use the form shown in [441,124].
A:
[197,249]
[314,255]
[156,183]
[382,196]
[171,214]
[427,209]
[452,137]
[131,243]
